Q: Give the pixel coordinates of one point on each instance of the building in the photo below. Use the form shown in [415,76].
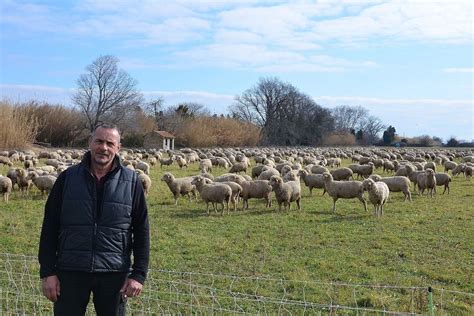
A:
[159,139]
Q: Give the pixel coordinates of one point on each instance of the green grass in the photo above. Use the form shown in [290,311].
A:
[426,242]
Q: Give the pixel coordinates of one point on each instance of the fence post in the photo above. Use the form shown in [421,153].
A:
[430,302]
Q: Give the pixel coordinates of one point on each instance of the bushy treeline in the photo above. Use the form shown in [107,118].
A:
[58,126]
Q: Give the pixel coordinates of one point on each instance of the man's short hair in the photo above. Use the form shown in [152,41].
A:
[107,126]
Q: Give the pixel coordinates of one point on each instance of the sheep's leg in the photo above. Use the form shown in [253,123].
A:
[298,204]
[324,191]
[334,205]
[207,208]
[361,198]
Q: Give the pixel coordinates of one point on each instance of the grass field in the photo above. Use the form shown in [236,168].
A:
[426,242]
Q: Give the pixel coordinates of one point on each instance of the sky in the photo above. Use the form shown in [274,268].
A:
[410,63]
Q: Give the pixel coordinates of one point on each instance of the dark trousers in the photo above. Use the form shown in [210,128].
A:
[76,288]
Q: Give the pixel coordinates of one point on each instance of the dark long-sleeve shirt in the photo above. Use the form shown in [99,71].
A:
[51,226]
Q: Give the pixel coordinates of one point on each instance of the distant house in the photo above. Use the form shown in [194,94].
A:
[159,139]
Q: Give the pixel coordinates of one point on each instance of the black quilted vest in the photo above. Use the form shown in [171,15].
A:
[88,242]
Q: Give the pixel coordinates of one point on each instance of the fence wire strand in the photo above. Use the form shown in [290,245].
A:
[174,292]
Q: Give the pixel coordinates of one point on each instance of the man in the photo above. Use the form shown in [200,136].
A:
[95,216]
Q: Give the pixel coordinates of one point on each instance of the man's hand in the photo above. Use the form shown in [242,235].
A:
[131,288]
[51,288]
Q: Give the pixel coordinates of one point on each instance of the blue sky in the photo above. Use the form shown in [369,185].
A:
[408,62]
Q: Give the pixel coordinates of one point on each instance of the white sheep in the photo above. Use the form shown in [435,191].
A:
[213,192]
[181,161]
[43,183]
[458,169]
[286,192]
[342,174]
[145,180]
[378,194]
[5,187]
[236,190]
[256,189]
[145,167]
[343,190]
[268,173]
[179,186]
[239,167]
[24,181]
[205,165]
[449,165]
[166,162]
[395,184]
[443,179]
[426,180]
[312,181]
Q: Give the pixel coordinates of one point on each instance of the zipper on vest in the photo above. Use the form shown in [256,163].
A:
[93,246]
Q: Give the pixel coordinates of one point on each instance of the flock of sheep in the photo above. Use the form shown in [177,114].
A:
[260,173]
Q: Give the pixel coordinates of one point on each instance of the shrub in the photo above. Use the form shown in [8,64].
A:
[340,139]
[217,131]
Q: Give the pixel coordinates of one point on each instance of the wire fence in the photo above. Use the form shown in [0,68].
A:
[172,292]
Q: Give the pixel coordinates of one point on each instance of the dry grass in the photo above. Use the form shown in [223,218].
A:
[17,128]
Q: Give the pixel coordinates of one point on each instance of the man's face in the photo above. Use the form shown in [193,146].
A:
[104,144]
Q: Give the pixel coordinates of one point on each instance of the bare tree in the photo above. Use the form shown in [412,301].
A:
[106,93]
[285,115]
[154,108]
[347,118]
[371,127]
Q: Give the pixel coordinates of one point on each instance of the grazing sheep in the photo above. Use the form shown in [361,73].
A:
[458,169]
[5,161]
[152,160]
[286,192]
[443,179]
[343,190]
[257,170]
[256,189]
[468,172]
[395,184]
[378,194]
[365,170]
[319,169]
[179,186]
[205,165]
[449,165]
[166,162]
[223,162]
[430,165]
[143,166]
[390,165]
[334,162]
[181,162]
[268,173]
[312,181]
[239,167]
[341,174]
[145,180]
[5,187]
[426,180]
[213,192]
[43,183]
